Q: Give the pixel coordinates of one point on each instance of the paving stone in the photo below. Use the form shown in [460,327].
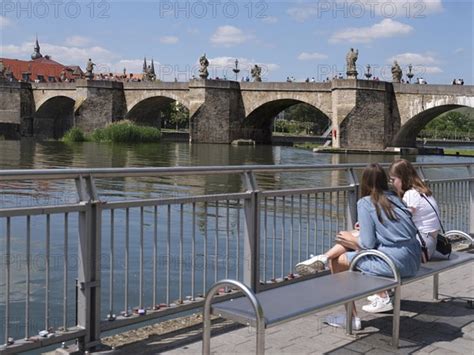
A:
[460,345]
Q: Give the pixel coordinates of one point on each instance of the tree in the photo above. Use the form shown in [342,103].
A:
[175,116]
[179,115]
[458,124]
[306,119]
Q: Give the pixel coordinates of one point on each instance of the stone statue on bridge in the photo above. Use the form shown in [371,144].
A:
[62,75]
[396,73]
[351,59]
[3,69]
[90,69]
[256,73]
[203,72]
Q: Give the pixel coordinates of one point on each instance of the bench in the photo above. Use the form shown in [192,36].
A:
[269,308]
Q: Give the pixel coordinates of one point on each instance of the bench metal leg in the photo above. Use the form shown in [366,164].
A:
[206,315]
[349,307]
[260,340]
[396,317]
[206,333]
[435,286]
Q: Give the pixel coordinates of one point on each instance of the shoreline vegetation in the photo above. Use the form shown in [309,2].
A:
[118,132]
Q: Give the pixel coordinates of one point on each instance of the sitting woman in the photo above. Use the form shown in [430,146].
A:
[418,197]
[385,225]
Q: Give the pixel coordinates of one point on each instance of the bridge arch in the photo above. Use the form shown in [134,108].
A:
[257,125]
[406,136]
[147,111]
[54,117]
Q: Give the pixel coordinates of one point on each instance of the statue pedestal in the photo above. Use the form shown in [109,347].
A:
[352,74]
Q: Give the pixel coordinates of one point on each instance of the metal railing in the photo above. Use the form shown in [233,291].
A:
[100,263]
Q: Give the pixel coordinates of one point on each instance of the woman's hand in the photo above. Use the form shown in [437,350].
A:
[348,240]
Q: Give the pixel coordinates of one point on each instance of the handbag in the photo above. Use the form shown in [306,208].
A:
[443,244]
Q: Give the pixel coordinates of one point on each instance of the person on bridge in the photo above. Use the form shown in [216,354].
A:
[419,199]
[385,225]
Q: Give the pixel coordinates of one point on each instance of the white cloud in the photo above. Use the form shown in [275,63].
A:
[63,54]
[5,22]
[384,29]
[270,20]
[414,58]
[459,51]
[312,56]
[193,31]
[229,36]
[132,66]
[425,63]
[78,41]
[106,61]
[303,11]
[169,39]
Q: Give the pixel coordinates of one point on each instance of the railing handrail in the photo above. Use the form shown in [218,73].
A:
[41,174]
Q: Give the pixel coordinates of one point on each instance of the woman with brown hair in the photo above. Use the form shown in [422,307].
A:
[419,199]
[385,225]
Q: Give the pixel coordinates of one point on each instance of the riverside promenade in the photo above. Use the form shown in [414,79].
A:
[427,327]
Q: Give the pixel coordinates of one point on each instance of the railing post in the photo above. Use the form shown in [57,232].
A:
[88,293]
[470,168]
[353,196]
[252,233]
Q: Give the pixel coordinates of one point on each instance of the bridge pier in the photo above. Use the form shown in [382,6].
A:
[16,109]
[365,114]
[216,112]
[100,103]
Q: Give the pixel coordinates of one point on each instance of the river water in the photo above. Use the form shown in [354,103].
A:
[28,154]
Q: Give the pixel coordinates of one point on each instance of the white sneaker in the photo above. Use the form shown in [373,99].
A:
[312,265]
[339,321]
[379,305]
[372,298]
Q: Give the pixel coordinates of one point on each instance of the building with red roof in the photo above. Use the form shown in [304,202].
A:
[39,69]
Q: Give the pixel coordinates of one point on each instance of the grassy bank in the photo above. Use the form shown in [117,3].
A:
[307,146]
[465,152]
[118,132]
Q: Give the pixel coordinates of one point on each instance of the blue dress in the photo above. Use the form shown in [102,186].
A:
[396,238]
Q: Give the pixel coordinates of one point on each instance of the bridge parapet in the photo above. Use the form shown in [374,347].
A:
[456,90]
[293,87]
[53,86]
[155,85]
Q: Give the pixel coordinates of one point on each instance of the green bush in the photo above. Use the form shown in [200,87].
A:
[75,134]
[126,132]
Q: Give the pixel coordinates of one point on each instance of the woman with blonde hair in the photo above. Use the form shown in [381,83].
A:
[419,199]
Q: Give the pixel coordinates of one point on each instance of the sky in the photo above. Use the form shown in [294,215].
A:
[299,39]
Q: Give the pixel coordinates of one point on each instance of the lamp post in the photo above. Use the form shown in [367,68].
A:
[236,70]
[368,74]
[410,75]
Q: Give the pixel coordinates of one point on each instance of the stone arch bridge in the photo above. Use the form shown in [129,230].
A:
[364,114]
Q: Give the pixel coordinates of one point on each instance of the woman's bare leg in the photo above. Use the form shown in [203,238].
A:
[341,264]
[336,251]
